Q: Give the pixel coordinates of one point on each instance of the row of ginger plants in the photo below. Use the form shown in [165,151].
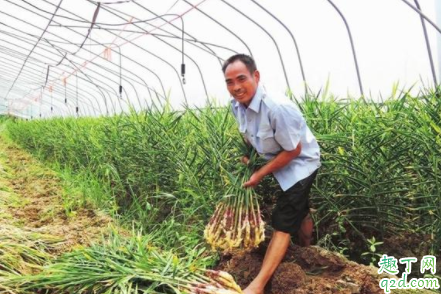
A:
[167,170]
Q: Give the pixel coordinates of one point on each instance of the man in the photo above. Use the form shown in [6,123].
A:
[277,130]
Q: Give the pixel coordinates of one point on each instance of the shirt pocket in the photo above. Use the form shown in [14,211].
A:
[266,142]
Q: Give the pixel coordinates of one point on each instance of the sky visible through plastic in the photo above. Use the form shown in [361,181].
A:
[72,57]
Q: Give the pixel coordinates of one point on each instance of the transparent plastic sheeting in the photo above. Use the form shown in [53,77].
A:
[87,58]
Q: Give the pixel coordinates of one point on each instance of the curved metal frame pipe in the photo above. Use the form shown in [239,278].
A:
[352,46]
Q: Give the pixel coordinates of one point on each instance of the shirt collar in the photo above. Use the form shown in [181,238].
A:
[255,102]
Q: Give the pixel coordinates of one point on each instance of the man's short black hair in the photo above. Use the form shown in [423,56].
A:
[246,59]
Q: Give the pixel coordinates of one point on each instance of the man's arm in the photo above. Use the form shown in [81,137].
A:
[246,157]
[281,159]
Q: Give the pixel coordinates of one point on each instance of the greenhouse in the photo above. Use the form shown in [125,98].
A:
[219,146]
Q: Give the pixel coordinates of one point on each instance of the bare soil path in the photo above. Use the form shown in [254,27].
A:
[31,200]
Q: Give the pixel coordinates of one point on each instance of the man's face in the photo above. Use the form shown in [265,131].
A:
[241,84]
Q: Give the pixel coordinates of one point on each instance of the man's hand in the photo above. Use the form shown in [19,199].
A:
[254,180]
[245,160]
[281,160]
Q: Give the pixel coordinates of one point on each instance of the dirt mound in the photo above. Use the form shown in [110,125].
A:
[306,270]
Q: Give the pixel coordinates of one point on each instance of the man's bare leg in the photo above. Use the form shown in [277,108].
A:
[274,255]
[305,232]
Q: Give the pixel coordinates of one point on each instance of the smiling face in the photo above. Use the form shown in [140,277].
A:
[241,84]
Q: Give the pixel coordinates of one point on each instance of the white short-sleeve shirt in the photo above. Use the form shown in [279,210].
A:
[274,123]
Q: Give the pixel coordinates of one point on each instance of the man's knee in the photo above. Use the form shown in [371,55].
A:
[307,218]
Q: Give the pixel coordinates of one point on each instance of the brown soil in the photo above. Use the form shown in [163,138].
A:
[308,270]
[32,201]
[305,270]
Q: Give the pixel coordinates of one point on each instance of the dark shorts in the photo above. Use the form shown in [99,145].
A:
[293,206]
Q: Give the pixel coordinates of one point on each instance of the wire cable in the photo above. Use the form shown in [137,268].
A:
[33,48]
